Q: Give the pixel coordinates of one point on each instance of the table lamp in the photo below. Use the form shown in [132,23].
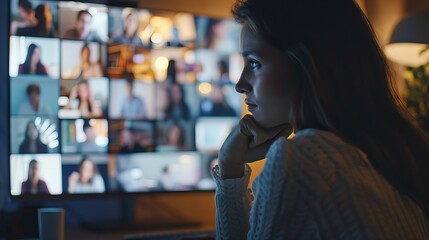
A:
[409,42]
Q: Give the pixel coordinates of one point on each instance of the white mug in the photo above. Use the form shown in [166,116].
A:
[51,223]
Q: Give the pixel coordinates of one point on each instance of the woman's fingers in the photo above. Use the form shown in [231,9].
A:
[258,135]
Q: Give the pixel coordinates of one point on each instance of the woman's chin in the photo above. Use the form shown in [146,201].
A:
[268,123]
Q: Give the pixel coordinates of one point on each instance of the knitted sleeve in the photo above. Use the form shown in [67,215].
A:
[233,201]
[277,211]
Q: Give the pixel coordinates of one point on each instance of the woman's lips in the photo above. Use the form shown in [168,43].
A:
[251,106]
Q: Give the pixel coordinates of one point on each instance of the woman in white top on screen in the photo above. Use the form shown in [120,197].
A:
[86,68]
[81,98]
[87,180]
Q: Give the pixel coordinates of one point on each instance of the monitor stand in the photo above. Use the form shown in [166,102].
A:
[128,222]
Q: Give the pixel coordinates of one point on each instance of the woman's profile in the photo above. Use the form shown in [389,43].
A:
[357,166]
[32,142]
[32,63]
[33,184]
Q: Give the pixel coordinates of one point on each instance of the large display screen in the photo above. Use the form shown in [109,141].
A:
[112,100]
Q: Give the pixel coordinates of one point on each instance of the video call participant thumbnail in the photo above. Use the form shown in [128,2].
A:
[86,179]
[32,63]
[29,21]
[33,106]
[82,28]
[35,174]
[130,25]
[32,142]
[34,184]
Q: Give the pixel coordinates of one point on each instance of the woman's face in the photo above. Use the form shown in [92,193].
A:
[265,80]
[36,56]
[32,132]
[86,171]
[174,136]
[24,15]
[131,24]
[83,92]
[34,171]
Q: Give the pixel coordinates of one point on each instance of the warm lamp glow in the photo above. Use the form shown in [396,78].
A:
[205,88]
[408,54]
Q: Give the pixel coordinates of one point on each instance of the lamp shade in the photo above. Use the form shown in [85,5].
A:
[410,37]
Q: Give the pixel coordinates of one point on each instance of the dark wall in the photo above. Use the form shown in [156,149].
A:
[4,74]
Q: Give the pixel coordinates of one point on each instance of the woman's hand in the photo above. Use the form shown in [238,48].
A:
[247,142]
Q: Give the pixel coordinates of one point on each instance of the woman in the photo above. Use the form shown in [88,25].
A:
[357,167]
[87,180]
[32,63]
[177,107]
[33,184]
[130,23]
[82,99]
[26,17]
[86,69]
[43,27]
[32,142]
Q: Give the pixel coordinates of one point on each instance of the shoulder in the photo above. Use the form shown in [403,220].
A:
[97,179]
[70,33]
[311,149]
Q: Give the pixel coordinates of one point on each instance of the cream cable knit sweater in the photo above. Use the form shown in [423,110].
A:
[315,186]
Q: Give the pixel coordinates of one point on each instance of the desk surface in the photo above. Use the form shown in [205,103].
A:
[75,232]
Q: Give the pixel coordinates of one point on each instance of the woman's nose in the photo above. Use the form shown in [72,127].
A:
[243,85]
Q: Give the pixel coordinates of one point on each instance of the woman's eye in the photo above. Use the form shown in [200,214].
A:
[254,64]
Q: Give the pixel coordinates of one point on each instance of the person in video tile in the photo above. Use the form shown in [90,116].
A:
[33,184]
[89,145]
[177,107]
[81,98]
[86,69]
[87,180]
[133,141]
[26,17]
[43,26]
[176,137]
[132,106]
[32,63]
[33,106]
[32,142]
[130,23]
[82,29]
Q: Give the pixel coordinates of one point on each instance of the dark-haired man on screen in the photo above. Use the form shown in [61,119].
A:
[82,29]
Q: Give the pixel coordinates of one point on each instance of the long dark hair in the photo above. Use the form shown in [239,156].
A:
[30,165]
[44,24]
[27,63]
[344,85]
[29,182]
[95,168]
[27,139]
[184,109]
